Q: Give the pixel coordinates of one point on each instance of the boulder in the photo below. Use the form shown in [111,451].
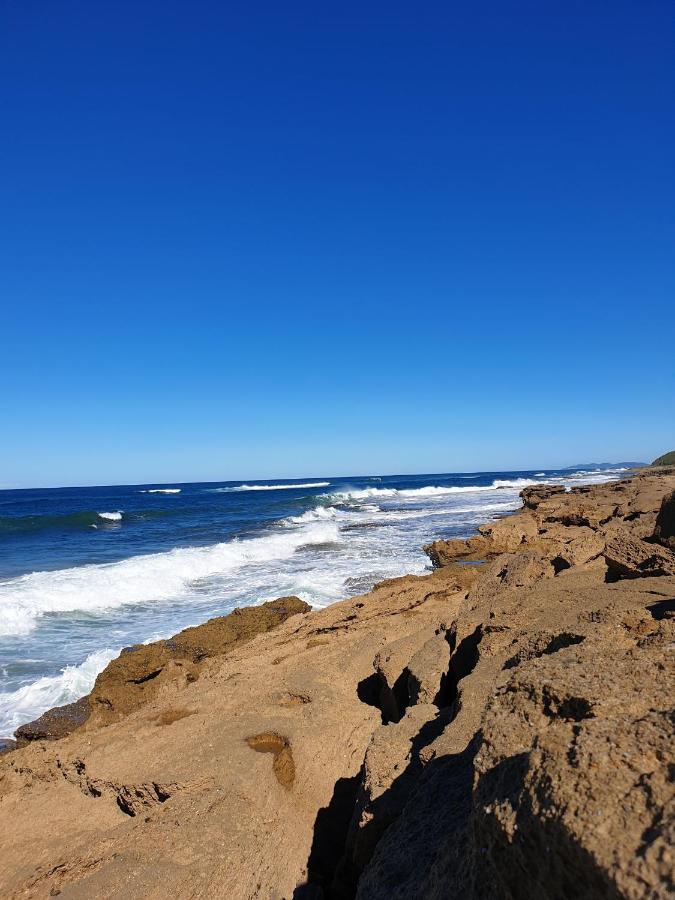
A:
[55,724]
[534,495]
[664,531]
[139,674]
[427,670]
[628,557]
[570,788]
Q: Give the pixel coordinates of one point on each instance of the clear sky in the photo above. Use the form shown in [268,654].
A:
[284,239]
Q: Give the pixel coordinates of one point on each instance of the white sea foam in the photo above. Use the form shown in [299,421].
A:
[431,491]
[112,516]
[539,474]
[30,701]
[319,514]
[150,579]
[270,487]
[161,491]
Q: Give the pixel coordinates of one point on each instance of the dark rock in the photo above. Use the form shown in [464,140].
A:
[664,532]
[56,723]
[7,744]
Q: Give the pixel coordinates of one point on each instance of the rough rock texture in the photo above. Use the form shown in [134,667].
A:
[56,723]
[664,531]
[142,672]
[627,557]
[502,730]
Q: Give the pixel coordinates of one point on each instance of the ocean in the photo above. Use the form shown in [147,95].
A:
[85,572]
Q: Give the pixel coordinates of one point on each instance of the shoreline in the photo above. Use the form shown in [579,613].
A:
[56,716]
[329,741]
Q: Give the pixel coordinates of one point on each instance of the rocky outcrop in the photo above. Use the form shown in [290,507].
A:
[55,724]
[533,496]
[501,727]
[628,557]
[664,531]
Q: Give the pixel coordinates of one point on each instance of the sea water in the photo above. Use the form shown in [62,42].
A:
[85,572]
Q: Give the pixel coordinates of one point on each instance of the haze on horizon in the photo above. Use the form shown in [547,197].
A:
[360,238]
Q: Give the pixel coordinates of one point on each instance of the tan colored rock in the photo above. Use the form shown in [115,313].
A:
[140,673]
[628,557]
[272,775]
[570,778]
[534,495]
[428,670]
[391,665]
[664,529]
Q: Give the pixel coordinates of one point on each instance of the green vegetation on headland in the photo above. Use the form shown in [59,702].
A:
[668,459]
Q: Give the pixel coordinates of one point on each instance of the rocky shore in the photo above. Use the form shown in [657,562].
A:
[499,728]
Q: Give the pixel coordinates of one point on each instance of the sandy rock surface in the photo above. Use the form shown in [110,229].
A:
[501,727]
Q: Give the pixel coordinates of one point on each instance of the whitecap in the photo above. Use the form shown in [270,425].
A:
[151,578]
[111,516]
[161,491]
[30,701]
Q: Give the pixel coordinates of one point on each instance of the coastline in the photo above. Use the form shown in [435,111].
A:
[373,747]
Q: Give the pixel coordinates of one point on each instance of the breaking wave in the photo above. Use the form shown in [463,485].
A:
[150,579]
[111,516]
[432,491]
[161,491]
[30,701]
[270,487]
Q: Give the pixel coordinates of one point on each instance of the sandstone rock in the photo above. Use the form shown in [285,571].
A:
[443,553]
[543,774]
[138,674]
[428,669]
[390,771]
[511,570]
[627,557]
[664,531]
[569,773]
[391,665]
[511,533]
[55,724]
[533,496]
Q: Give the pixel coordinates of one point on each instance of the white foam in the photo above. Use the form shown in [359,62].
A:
[29,702]
[319,514]
[271,487]
[161,491]
[515,483]
[111,516]
[431,491]
[148,579]
[539,474]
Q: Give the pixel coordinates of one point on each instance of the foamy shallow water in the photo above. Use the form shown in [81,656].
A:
[137,572]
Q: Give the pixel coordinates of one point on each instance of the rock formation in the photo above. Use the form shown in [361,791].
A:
[499,728]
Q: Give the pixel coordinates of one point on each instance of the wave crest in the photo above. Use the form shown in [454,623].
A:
[31,700]
[270,487]
[152,578]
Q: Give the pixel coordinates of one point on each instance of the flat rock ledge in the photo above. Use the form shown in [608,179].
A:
[499,728]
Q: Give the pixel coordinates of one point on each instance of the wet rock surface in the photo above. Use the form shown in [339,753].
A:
[500,728]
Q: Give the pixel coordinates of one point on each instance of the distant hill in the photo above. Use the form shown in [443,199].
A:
[668,459]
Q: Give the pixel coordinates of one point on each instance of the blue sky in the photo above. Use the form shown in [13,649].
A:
[297,239]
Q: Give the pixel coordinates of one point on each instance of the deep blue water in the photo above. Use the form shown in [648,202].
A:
[87,571]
